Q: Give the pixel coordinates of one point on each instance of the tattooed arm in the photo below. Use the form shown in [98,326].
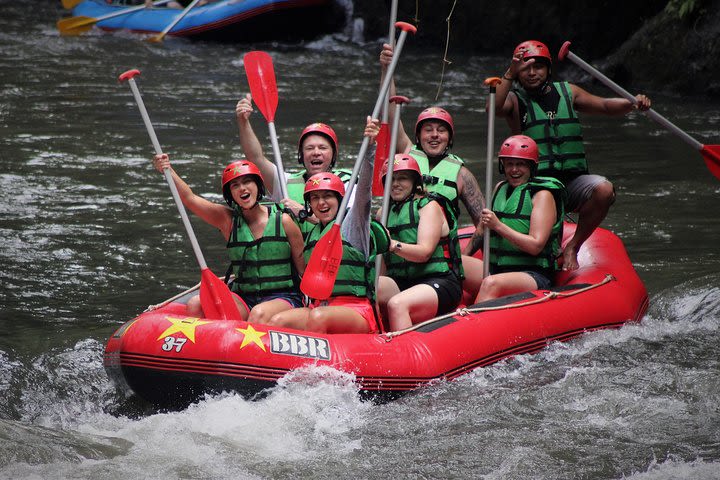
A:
[472,197]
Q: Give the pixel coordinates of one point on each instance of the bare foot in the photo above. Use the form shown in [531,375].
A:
[569,259]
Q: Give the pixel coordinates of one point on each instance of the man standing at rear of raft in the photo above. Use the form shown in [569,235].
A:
[547,112]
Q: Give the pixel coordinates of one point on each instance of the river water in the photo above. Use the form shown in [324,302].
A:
[90,237]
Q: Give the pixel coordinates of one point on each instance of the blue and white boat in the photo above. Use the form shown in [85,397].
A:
[229,20]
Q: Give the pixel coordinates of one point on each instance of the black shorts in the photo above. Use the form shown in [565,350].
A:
[447,286]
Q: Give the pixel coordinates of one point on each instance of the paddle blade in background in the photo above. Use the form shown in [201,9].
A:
[711,154]
[381,155]
[75,25]
[320,273]
[215,298]
[261,79]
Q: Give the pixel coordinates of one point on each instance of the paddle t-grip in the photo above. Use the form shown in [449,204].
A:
[128,75]
[406,27]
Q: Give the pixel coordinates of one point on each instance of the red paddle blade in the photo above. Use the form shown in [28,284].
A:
[320,273]
[381,155]
[261,78]
[215,298]
[711,154]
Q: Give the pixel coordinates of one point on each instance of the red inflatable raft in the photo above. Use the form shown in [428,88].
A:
[170,359]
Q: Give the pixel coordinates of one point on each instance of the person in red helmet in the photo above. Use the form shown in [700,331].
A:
[423,274]
[350,306]
[547,112]
[444,173]
[264,244]
[525,220]
[317,152]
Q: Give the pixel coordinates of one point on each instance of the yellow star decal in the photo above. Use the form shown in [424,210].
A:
[186,326]
[252,336]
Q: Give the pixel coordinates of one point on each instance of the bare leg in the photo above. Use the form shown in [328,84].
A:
[414,305]
[336,320]
[503,284]
[590,215]
[473,277]
[386,289]
[263,312]
[194,308]
[293,318]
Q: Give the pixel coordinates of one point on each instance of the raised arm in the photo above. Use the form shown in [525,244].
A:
[586,102]
[356,226]
[404,142]
[218,216]
[252,148]
[506,102]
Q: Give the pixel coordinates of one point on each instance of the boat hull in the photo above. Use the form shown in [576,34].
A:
[170,359]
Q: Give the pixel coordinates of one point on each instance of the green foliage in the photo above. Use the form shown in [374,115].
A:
[685,9]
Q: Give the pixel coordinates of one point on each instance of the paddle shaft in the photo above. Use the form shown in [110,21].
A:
[366,140]
[391,41]
[388,177]
[278,160]
[488,176]
[168,175]
[158,38]
[75,22]
[627,95]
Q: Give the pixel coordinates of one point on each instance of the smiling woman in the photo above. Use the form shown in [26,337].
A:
[525,223]
[423,267]
[264,244]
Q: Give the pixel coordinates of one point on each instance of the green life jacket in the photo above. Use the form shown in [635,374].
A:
[403,221]
[559,139]
[356,274]
[296,189]
[514,211]
[261,265]
[442,179]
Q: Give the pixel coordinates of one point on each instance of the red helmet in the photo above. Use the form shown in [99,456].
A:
[402,161]
[435,113]
[324,181]
[534,49]
[241,168]
[319,129]
[522,147]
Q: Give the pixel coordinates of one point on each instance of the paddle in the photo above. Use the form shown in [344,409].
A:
[159,37]
[321,270]
[382,151]
[215,298]
[80,24]
[263,88]
[492,83]
[711,153]
[399,101]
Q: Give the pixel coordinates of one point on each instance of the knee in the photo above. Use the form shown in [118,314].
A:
[277,320]
[395,306]
[193,307]
[258,314]
[605,193]
[317,321]
[489,288]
